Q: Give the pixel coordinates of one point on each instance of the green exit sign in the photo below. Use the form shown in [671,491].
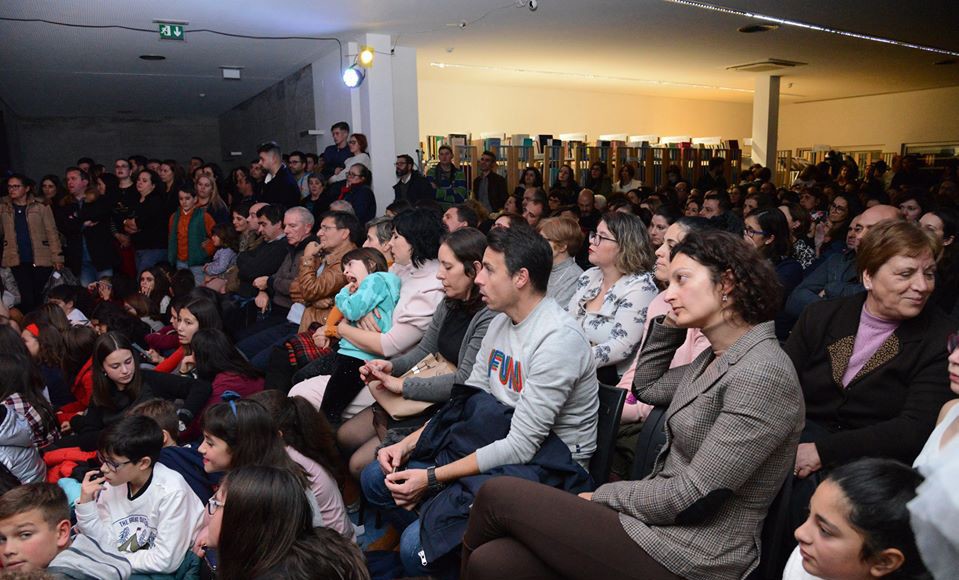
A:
[171,31]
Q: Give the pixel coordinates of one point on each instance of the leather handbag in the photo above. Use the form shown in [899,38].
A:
[432,365]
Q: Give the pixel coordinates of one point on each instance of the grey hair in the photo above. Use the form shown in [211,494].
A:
[384,228]
[305,215]
[342,205]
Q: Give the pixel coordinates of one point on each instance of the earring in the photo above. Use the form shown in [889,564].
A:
[725,297]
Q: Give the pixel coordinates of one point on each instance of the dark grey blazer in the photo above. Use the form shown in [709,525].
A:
[731,434]
[437,389]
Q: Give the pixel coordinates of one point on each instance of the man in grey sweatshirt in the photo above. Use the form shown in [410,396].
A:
[534,358]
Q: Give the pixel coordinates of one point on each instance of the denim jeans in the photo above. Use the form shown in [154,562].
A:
[258,347]
[373,483]
[149,258]
[198,273]
[88,272]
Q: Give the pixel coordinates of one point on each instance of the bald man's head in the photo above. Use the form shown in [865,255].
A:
[874,215]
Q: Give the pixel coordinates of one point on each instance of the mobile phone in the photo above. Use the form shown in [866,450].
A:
[144,355]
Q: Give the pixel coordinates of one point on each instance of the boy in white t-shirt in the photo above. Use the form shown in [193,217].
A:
[144,509]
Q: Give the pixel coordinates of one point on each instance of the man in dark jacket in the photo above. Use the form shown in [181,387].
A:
[335,155]
[490,187]
[411,185]
[279,186]
[274,292]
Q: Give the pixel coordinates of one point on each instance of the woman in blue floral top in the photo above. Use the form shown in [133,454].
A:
[611,298]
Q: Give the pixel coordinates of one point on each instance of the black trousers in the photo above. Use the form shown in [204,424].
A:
[31,280]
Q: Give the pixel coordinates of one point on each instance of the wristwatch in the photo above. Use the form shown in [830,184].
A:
[432,483]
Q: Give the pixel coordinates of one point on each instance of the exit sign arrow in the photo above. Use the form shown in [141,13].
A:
[171,31]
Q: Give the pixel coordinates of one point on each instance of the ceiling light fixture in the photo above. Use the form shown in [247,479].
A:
[353,76]
[152,57]
[445,65]
[754,28]
[809,26]
[365,57]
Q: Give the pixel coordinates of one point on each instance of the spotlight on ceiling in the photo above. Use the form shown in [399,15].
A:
[353,76]
[365,57]
[152,57]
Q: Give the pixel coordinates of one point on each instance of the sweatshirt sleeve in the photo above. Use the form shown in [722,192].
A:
[180,515]
[356,305]
[90,524]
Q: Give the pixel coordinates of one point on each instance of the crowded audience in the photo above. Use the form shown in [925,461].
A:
[268,371]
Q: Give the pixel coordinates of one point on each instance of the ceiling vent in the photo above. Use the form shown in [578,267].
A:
[770,64]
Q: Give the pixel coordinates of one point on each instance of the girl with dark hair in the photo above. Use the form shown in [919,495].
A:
[357,191]
[117,386]
[768,231]
[311,444]
[21,391]
[156,286]
[858,525]
[913,204]
[77,370]
[799,225]
[531,178]
[239,433]
[566,181]
[108,316]
[830,234]
[455,332]
[45,346]
[51,190]
[216,361]
[738,403]
[195,314]
[664,216]
[597,181]
[252,542]
[943,223]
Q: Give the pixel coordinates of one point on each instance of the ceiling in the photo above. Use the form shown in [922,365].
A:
[626,46]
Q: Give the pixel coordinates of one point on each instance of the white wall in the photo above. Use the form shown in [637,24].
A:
[881,121]
[330,95]
[474,108]
[406,116]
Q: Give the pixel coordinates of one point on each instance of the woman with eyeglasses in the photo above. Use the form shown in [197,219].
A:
[358,193]
[830,233]
[611,297]
[357,144]
[31,243]
[768,231]
[252,542]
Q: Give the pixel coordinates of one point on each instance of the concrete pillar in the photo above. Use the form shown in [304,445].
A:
[766,121]
[385,107]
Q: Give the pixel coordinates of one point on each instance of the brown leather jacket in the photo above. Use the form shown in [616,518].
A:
[317,291]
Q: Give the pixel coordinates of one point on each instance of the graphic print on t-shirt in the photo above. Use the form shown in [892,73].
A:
[135,533]
[508,370]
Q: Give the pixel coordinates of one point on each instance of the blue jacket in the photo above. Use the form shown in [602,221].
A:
[836,277]
[380,291]
[188,462]
[471,419]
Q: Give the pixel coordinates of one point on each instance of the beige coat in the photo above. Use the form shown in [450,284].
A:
[43,235]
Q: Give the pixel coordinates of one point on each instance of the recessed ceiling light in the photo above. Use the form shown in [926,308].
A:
[152,57]
[753,28]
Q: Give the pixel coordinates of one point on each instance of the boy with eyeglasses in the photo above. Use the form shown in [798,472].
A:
[143,509]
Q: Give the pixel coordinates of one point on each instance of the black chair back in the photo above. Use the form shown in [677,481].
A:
[651,441]
[611,400]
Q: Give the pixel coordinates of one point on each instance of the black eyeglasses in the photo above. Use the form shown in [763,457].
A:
[749,232]
[113,465]
[214,504]
[597,239]
[835,207]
